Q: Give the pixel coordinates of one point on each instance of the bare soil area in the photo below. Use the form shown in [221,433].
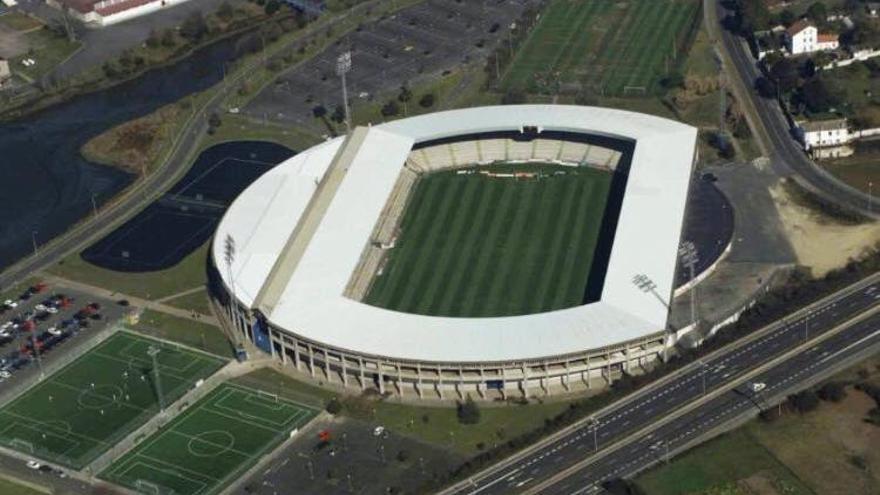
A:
[820,242]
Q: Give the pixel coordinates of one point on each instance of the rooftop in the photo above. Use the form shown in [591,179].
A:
[308,296]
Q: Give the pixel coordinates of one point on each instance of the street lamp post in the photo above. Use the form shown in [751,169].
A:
[94,206]
[34,240]
[594,424]
[153,352]
[343,66]
[870,196]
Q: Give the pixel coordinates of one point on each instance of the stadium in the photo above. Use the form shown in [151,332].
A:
[492,252]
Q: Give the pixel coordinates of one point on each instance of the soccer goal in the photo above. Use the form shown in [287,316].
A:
[150,488]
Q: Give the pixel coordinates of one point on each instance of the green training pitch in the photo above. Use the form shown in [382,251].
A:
[472,245]
[611,47]
[84,408]
[210,444]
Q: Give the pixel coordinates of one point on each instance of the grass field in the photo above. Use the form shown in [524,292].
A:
[83,409]
[187,332]
[478,246]
[210,444]
[608,45]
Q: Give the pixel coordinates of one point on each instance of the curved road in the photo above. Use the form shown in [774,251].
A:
[786,154]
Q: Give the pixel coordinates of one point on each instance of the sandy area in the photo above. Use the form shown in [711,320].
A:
[759,484]
[819,242]
[12,43]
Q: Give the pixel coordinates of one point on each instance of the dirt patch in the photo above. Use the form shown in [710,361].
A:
[820,243]
[12,43]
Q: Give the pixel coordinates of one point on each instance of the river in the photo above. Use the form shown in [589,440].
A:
[46,185]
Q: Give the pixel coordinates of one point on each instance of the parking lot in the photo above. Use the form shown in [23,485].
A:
[55,323]
[416,44]
[353,457]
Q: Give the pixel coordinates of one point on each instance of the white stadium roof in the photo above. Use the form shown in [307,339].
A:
[310,303]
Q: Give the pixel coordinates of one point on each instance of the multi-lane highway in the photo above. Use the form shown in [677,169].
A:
[624,428]
[786,154]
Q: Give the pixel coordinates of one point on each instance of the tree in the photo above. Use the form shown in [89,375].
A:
[319,111]
[334,406]
[818,12]
[785,74]
[338,115]
[194,27]
[214,120]
[390,109]
[168,38]
[832,392]
[225,11]
[272,6]
[816,96]
[765,87]
[427,100]
[787,17]
[468,412]
[404,96]
[673,80]
[804,402]
[751,16]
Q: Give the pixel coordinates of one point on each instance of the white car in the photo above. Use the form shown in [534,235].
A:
[53,331]
[378,431]
[33,464]
[51,310]
[40,307]
[6,325]
[5,374]
[9,303]
[756,387]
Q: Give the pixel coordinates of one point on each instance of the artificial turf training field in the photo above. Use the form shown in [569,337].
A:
[84,408]
[610,46]
[213,442]
[472,245]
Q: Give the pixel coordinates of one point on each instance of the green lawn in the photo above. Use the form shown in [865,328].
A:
[716,466]
[197,301]
[189,273]
[210,444]
[435,425]
[19,21]
[86,407]
[613,47]
[473,245]
[858,170]
[47,49]
[191,333]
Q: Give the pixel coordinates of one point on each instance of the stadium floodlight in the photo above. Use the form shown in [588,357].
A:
[343,66]
[687,252]
[645,284]
[229,258]
[153,352]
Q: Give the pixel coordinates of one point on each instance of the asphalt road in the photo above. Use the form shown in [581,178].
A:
[653,448]
[786,154]
[719,369]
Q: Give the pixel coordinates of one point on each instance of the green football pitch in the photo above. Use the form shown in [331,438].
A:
[610,46]
[473,246]
[210,444]
[83,409]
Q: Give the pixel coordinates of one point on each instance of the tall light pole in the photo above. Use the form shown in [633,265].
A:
[594,424]
[229,258]
[343,66]
[94,206]
[870,196]
[687,252]
[153,352]
[645,284]
[34,240]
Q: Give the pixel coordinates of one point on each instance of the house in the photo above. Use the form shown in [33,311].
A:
[107,12]
[5,73]
[803,37]
[823,133]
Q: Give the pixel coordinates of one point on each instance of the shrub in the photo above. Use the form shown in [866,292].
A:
[468,412]
[804,402]
[832,392]
[334,406]
[427,100]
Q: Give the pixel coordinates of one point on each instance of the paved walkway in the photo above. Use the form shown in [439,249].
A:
[180,294]
[134,300]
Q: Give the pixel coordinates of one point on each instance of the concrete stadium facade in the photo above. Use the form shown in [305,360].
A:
[296,252]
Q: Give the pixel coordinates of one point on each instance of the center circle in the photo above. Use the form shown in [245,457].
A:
[99,396]
[210,443]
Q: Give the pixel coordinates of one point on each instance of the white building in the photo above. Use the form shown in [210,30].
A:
[824,133]
[803,37]
[302,235]
[99,13]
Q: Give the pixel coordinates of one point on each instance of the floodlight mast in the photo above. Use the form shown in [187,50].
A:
[687,252]
[343,66]
[645,284]
[153,352]
[229,258]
